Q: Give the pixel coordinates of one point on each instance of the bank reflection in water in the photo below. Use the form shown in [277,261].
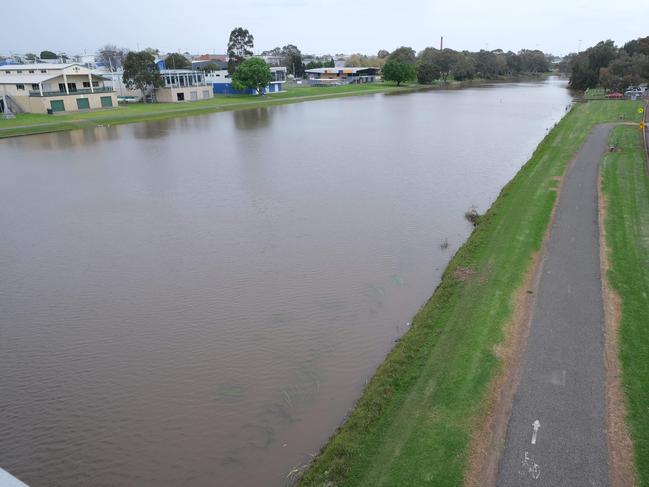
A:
[86,137]
[252,119]
[199,301]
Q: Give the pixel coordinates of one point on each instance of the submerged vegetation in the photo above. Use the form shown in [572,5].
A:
[413,423]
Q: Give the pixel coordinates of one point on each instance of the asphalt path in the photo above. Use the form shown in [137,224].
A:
[561,395]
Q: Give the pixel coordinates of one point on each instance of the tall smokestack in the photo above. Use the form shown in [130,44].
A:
[441,43]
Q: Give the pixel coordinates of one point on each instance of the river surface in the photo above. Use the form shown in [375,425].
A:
[199,301]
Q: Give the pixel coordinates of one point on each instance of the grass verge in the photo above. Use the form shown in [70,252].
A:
[30,123]
[625,184]
[413,424]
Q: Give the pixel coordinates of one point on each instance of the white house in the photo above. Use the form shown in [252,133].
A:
[39,88]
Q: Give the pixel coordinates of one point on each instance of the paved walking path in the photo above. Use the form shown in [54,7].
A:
[562,389]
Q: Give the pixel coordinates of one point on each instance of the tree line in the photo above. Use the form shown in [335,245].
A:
[431,64]
[608,66]
[401,65]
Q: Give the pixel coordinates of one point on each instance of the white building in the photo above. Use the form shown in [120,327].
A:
[183,85]
[40,88]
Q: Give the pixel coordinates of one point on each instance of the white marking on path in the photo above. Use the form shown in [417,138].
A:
[535,426]
[533,469]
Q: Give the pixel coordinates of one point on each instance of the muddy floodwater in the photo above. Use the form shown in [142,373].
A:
[199,301]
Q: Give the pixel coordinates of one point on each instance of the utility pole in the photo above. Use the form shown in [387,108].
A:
[441,43]
[579,48]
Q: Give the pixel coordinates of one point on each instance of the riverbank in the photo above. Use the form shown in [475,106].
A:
[418,416]
[28,123]
[625,187]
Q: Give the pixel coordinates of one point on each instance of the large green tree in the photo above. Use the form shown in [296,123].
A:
[398,71]
[48,55]
[637,46]
[362,61]
[403,54]
[240,47]
[445,60]
[141,72]
[585,67]
[253,73]
[625,71]
[427,68]
[292,59]
[176,60]
[463,66]
[533,61]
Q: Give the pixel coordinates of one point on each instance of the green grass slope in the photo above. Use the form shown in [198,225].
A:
[626,187]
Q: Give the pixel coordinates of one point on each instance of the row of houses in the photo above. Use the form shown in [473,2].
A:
[50,88]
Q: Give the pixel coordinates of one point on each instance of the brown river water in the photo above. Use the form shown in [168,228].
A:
[199,301]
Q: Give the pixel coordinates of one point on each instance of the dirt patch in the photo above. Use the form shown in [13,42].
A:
[620,447]
[463,273]
[487,443]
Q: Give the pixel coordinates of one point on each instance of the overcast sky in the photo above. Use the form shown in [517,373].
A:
[319,27]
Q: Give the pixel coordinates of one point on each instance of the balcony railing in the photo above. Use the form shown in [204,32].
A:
[84,91]
[197,84]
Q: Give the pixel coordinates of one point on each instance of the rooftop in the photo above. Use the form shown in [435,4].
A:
[211,57]
[54,66]
[25,79]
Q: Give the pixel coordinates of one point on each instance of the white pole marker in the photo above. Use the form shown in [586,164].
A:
[535,427]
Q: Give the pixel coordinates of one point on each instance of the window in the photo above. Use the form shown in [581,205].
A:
[86,84]
[43,70]
[206,93]
[180,96]
[95,84]
[20,87]
[35,86]
[7,72]
[19,71]
[31,71]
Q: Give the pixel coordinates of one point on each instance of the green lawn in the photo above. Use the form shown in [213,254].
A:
[25,124]
[413,423]
[626,187]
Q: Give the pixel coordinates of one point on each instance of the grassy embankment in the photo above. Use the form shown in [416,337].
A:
[413,423]
[28,123]
[625,185]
